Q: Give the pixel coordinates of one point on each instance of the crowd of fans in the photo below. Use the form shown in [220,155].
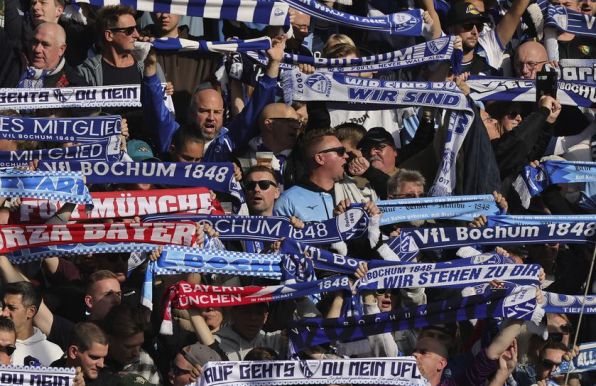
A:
[308,161]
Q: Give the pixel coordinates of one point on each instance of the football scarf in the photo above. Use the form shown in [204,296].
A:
[90,129]
[412,240]
[569,304]
[123,204]
[532,181]
[107,150]
[464,208]
[434,50]
[583,70]
[58,98]
[584,361]
[202,46]
[15,237]
[351,224]
[252,11]
[572,93]
[184,296]
[516,303]
[538,219]
[215,176]
[565,19]
[406,23]
[53,186]
[374,371]
[30,375]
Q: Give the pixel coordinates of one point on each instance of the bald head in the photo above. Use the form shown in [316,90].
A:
[206,112]
[279,127]
[278,110]
[48,46]
[529,59]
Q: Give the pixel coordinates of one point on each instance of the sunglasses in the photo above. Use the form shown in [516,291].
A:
[341,151]
[7,349]
[470,26]
[289,121]
[513,114]
[125,30]
[548,364]
[565,329]
[263,184]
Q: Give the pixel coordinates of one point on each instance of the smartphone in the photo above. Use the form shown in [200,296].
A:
[546,84]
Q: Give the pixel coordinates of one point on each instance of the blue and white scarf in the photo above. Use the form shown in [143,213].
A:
[565,19]
[176,259]
[539,219]
[434,50]
[252,11]
[386,371]
[584,361]
[569,304]
[582,70]
[516,303]
[57,186]
[532,181]
[341,88]
[222,47]
[107,150]
[215,176]
[464,208]
[412,240]
[88,129]
[30,375]
[445,275]
[351,224]
[56,98]
[572,93]
[322,259]
[406,23]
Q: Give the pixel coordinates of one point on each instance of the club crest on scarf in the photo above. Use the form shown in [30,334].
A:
[309,368]
[437,45]
[63,95]
[403,22]
[319,83]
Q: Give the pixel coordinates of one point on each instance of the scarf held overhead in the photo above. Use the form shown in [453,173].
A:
[413,240]
[456,208]
[129,203]
[351,224]
[517,303]
[253,11]
[55,186]
[14,237]
[89,129]
[223,47]
[57,98]
[385,371]
[215,176]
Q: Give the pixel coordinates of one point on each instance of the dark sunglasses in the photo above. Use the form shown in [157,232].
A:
[7,349]
[263,184]
[513,114]
[125,30]
[470,26]
[341,151]
[566,329]
[548,364]
[179,371]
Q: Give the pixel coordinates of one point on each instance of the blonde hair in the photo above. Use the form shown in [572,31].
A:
[336,39]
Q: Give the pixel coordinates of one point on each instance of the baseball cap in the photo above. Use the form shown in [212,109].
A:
[140,151]
[133,380]
[464,12]
[199,354]
[374,136]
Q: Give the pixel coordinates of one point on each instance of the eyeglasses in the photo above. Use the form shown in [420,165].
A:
[565,329]
[470,26]
[531,65]
[7,349]
[341,151]
[548,364]
[290,122]
[178,370]
[125,30]
[263,184]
